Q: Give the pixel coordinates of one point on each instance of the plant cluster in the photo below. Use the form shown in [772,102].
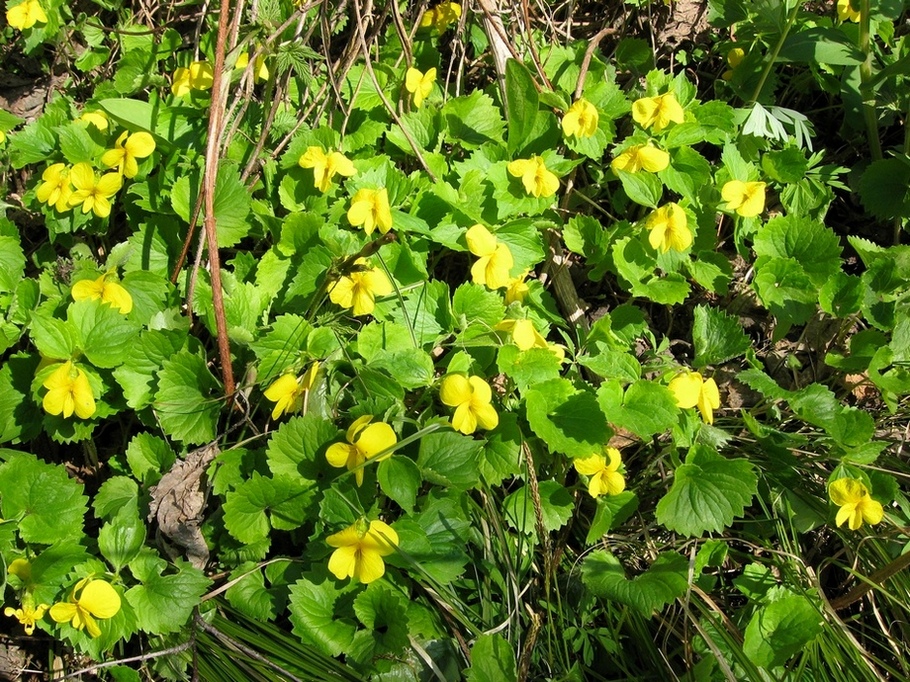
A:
[295,357]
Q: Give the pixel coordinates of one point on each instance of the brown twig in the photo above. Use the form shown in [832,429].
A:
[874,580]
[212,153]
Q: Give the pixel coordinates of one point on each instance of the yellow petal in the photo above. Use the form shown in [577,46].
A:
[339,454]
[375,438]
[100,599]
[343,562]
[370,567]
[519,167]
[88,289]
[481,390]
[686,388]
[117,296]
[83,399]
[590,466]
[82,176]
[109,184]
[486,416]
[464,419]
[140,145]
[653,159]
[63,612]
[872,511]
[380,538]
[341,292]
[455,390]
[481,242]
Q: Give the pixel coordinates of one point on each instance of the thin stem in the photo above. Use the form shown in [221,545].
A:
[865,72]
[775,52]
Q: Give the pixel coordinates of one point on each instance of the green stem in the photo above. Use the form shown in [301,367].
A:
[775,52]
[865,72]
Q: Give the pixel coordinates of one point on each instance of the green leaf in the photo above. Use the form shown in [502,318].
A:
[717,337]
[260,504]
[556,507]
[810,243]
[613,364]
[450,459]
[20,417]
[54,338]
[472,120]
[115,494]
[646,408]
[708,492]
[474,304]
[148,456]
[106,334]
[819,45]
[492,660]
[143,363]
[528,368]
[249,594]
[76,144]
[169,125]
[121,539]
[786,290]
[314,618]
[524,241]
[521,104]
[399,478]
[12,264]
[187,401]
[644,189]
[47,503]
[410,368]
[164,603]
[384,614]
[567,420]
[502,456]
[297,448]
[664,581]
[780,630]
[884,189]
[785,166]
[687,174]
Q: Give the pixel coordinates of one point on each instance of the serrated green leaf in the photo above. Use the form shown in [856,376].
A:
[12,264]
[556,507]
[474,304]
[115,494]
[472,120]
[492,660]
[54,338]
[106,335]
[260,504]
[644,189]
[450,459]
[780,630]
[121,539]
[297,448]
[502,457]
[528,368]
[786,290]
[884,189]
[164,603]
[48,504]
[568,420]
[187,400]
[148,457]
[314,619]
[717,337]
[708,492]
[521,104]
[399,478]
[646,408]
[143,362]
[808,242]
[385,616]
[664,581]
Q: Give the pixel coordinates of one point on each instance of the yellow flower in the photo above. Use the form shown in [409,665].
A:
[25,15]
[441,16]
[746,198]
[494,259]
[127,149]
[641,156]
[419,84]
[289,392]
[855,502]
[735,57]
[107,289]
[21,568]
[471,398]
[669,229]
[370,208]
[327,165]
[98,599]
[92,193]
[691,390]
[359,288]
[365,441]
[538,181]
[28,614]
[360,549]
[525,335]
[68,391]
[56,190]
[261,70]
[517,289]
[657,112]
[845,12]
[581,119]
[96,118]
[603,471]
[199,76]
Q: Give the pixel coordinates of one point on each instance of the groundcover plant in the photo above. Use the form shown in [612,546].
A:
[347,340]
